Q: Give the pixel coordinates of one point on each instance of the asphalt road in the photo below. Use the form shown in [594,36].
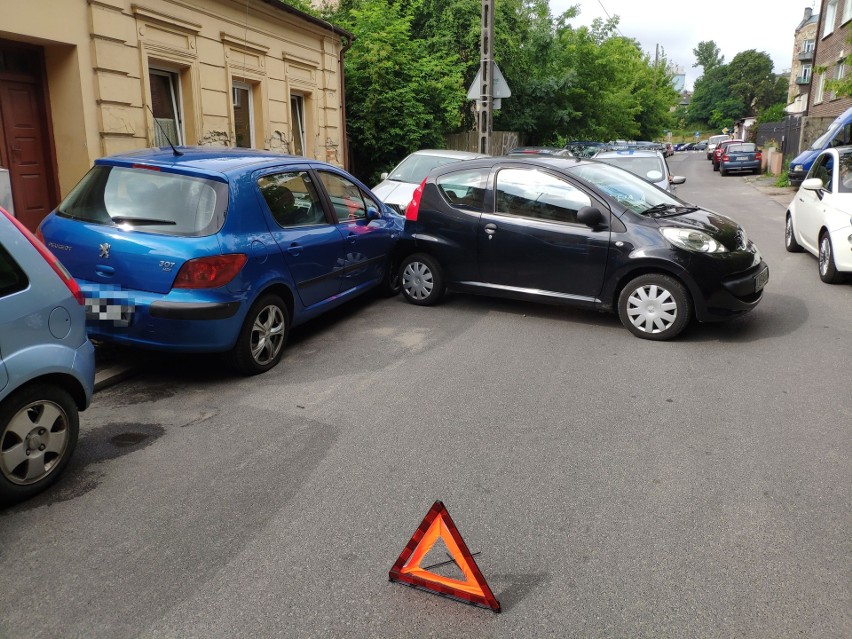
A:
[614,487]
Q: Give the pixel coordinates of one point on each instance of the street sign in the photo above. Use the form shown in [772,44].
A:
[697,134]
[499,88]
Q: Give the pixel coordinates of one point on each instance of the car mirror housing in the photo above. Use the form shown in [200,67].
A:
[373,214]
[590,216]
[678,179]
[812,184]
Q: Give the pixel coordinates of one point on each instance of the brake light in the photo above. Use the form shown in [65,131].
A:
[725,158]
[413,208]
[210,272]
[49,257]
[758,156]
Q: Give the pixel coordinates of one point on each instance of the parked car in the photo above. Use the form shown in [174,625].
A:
[47,363]
[581,233]
[649,165]
[720,148]
[548,151]
[713,142]
[819,218]
[585,148]
[219,250]
[668,150]
[740,157]
[396,187]
[700,146]
[839,133]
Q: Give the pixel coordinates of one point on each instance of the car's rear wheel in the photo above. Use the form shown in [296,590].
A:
[790,242]
[722,171]
[421,279]
[39,425]
[655,307]
[827,270]
[262,337]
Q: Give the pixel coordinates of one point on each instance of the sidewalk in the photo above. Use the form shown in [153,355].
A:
[766,185]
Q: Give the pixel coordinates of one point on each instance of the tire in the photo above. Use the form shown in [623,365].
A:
[827,270]
[391,283]
[715,166]
[655,307]
[262,337]
[421,279]
[722,171]
[39,425]
[790,242]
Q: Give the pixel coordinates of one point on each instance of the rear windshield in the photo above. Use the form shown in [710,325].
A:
[647,168]
[150,201]
[416,167]
[742,148]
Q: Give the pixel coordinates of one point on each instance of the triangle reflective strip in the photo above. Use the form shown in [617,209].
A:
[439,525]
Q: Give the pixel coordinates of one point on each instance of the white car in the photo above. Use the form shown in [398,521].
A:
[819,218]
[397,187]
[649,165]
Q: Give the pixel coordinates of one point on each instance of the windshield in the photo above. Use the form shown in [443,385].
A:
[165,203]
[416,167]
[630,191]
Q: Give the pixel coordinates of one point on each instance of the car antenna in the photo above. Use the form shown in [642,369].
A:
[177,153]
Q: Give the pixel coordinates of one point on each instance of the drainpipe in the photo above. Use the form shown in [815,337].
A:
[344,140]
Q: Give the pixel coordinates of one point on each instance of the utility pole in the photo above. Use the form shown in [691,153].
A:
[486,90]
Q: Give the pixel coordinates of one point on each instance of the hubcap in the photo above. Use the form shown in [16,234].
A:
[824,255]
[34,443]
[651,309]
[267,335]
[417,280]
[788,231]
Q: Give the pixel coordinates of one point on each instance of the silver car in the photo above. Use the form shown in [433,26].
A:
[47,363]
[649,165]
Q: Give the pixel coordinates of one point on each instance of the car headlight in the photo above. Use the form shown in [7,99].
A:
[798,167]
[692,240]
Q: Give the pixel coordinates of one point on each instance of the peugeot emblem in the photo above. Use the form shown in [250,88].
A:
[105,250]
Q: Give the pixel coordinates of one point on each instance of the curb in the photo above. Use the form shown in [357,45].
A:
[110,375]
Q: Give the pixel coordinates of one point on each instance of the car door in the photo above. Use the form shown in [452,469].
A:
[366,242]
[810,204]
[309,241]
[532,241]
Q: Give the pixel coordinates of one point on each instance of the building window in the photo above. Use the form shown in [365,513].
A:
[165,103]
[820,89]
[809,44]
[243,115]
[806,73]
[297,118]
[847,11]
[830,16]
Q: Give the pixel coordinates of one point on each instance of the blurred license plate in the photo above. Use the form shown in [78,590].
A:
[740,158]
[761,279]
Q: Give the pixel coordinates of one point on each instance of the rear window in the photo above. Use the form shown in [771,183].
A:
[416,167]
[650,168]
[150,201]
[742,148]
[12,278]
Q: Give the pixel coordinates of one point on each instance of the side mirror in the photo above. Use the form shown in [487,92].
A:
[384,176]
[373,214]
[590,216]
[677,179]
[812,184]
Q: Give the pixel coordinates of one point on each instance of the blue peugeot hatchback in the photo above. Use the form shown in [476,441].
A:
[47,364]
[219,250]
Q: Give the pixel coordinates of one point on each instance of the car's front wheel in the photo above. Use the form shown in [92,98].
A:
[421,279]
[655,307]
[790,242]
[827,270]
[39,425]
[263,336]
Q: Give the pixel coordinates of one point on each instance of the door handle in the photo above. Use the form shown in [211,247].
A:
[294,249]
[351,238]
[490,229]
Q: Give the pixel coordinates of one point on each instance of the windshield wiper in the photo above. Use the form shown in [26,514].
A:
[141,221]
[668,210]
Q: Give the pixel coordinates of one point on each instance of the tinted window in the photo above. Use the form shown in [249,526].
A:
[536,194]
[464,189]
[150,201]
[12,278]
[416,167]
[292,199]
[822,170]
[347,199]
[845,183]
[742,148]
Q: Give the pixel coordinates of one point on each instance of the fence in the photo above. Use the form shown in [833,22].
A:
[785,135]
[501,141]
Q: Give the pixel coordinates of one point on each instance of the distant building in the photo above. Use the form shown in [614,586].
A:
[803,59]
[830,52]
[679,82]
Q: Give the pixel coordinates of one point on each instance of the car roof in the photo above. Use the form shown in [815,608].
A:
[216,160]
[451,153]
[530,160]
[641,153]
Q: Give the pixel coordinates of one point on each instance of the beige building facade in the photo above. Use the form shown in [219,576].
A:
[82,79]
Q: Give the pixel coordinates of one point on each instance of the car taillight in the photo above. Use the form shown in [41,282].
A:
[209,272]
[49,257]
[758,156]
[413,208]
[725,158]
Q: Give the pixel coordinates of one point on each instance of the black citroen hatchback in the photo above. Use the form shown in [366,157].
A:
[577,232]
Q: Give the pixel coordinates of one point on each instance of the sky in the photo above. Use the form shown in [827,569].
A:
[679,25]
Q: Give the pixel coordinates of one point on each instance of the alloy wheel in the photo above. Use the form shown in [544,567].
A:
[267,334]
[34,442]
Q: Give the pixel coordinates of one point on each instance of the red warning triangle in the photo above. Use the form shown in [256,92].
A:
[439,525]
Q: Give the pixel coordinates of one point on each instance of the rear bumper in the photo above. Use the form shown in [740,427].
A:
[731,167]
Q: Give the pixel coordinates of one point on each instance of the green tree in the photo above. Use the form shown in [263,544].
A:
[708,56]
[752,81]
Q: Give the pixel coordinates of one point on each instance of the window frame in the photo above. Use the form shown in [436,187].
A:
[249,89]
[830,18]
[176,98]
[298,124]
